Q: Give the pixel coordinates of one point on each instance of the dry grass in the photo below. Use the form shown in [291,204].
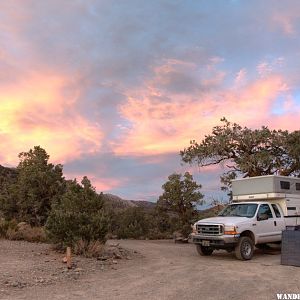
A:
[13,231]
[88,249]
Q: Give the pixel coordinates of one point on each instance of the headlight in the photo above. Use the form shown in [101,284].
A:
[230,230]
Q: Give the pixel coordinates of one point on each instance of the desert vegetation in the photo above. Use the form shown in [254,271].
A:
[38,204]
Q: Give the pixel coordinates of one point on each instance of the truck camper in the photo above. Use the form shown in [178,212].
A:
[261,208]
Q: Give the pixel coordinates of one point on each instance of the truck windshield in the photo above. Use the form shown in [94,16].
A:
[239,210]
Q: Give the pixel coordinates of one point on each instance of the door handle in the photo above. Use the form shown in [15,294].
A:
[254,224]
[275,223]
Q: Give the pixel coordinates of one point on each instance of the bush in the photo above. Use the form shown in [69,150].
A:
[180,198]
[29,234]
[5,225]
[140,223]
[21,231]
[78,216]
[35,186]
[88,249]
[132,223]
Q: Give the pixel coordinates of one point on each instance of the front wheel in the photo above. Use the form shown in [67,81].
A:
[244,249]
[204,251]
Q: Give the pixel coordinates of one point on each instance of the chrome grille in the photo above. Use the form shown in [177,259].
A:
[209,229]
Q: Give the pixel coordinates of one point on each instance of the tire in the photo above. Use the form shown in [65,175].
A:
[204,251]
[244,249]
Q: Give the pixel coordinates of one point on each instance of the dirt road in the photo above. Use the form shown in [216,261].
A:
[164,270]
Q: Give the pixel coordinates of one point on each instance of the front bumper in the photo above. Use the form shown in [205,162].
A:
[217,242]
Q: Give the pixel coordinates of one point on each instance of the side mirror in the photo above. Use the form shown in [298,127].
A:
[262,217]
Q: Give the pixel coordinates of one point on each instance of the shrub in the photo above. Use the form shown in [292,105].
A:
[36,185]
[4,226]
[28,233]
[132,223]
[140,223]
[21,231]
[78,216]
[88,249]
[180,197]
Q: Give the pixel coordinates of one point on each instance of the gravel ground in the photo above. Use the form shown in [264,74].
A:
[149,270]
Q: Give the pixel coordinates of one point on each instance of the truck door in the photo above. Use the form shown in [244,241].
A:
[279,218]
[265,225]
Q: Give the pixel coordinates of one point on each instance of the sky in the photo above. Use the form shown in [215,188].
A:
[115,89]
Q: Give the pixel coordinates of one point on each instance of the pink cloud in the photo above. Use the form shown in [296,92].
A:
[240,77]
[36,111]
[268,67]
[285,21]
[163,122]
[104,184]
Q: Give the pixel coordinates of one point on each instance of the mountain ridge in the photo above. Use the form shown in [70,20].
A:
[117,202]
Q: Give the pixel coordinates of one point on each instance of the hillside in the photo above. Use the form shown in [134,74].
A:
[210,212]
[116,202]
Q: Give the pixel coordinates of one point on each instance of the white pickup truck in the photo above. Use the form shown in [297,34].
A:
[261,209]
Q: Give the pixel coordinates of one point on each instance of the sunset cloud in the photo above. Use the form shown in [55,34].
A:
[36,111]
[162,121]
[115,89]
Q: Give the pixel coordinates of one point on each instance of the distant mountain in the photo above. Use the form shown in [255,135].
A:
[210,212]
[116,202]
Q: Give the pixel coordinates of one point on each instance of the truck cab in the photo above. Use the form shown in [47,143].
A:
[251,219]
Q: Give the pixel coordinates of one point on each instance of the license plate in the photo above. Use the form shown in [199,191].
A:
[206,243]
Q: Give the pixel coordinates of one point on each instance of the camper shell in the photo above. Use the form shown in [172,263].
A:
[268,184]
[282,190]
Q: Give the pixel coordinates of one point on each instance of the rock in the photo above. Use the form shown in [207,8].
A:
[181,240]
[78,269]
[177,235]
[102,258]
[117,255]
[64,260]
[18,284]
[114,261]
[22,225]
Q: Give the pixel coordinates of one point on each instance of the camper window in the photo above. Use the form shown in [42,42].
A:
[297,186]
[285,185]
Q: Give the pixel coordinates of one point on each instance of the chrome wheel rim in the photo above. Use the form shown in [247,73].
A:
[246,249]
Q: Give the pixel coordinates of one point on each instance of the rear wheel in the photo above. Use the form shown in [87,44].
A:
[204,251]
[244,249]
